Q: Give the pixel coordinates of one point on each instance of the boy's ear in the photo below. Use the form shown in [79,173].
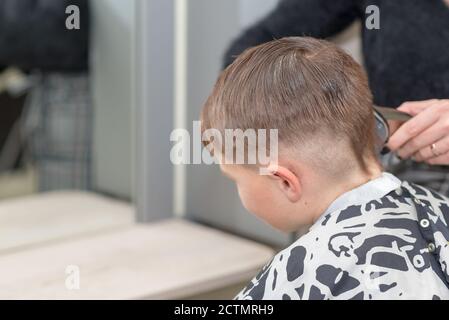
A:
[288,182]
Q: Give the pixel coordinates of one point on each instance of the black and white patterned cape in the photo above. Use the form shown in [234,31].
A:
[394,246]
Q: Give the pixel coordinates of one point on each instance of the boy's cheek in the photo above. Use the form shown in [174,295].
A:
[264,207]
[256,203]
[249,200]
[245,199]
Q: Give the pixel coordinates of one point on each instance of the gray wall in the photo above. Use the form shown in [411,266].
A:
[112,82]
[154,89]
[210,198]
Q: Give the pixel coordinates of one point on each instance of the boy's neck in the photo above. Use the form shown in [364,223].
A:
[336,189]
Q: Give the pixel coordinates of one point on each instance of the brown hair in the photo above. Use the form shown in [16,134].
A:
[304,87]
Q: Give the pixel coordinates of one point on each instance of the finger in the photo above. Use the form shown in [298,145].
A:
[394,125]
[425,139]
[440,160]
[423,155]
[441,148]
[415,107]
[412,128]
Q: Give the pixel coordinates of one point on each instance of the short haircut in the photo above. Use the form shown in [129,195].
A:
[308,89]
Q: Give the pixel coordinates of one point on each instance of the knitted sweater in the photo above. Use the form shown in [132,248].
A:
[407,59]
[33,35]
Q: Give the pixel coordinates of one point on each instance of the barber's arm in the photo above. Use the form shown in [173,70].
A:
[33,35]
[315,18]
[425,137]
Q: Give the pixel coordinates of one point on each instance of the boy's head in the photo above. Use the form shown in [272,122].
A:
[318,99]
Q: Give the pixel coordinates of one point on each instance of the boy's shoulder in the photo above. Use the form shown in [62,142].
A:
[361,251]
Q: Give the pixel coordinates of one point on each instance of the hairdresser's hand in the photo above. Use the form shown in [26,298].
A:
[425,137]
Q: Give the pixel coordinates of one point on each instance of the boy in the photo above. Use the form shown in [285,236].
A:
[372,236]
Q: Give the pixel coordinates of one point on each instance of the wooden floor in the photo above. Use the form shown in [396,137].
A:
[47,242]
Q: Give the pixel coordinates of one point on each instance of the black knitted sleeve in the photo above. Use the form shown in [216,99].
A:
[33,35]
[315,18]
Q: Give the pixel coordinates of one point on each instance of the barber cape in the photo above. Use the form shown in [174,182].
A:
[384,240]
